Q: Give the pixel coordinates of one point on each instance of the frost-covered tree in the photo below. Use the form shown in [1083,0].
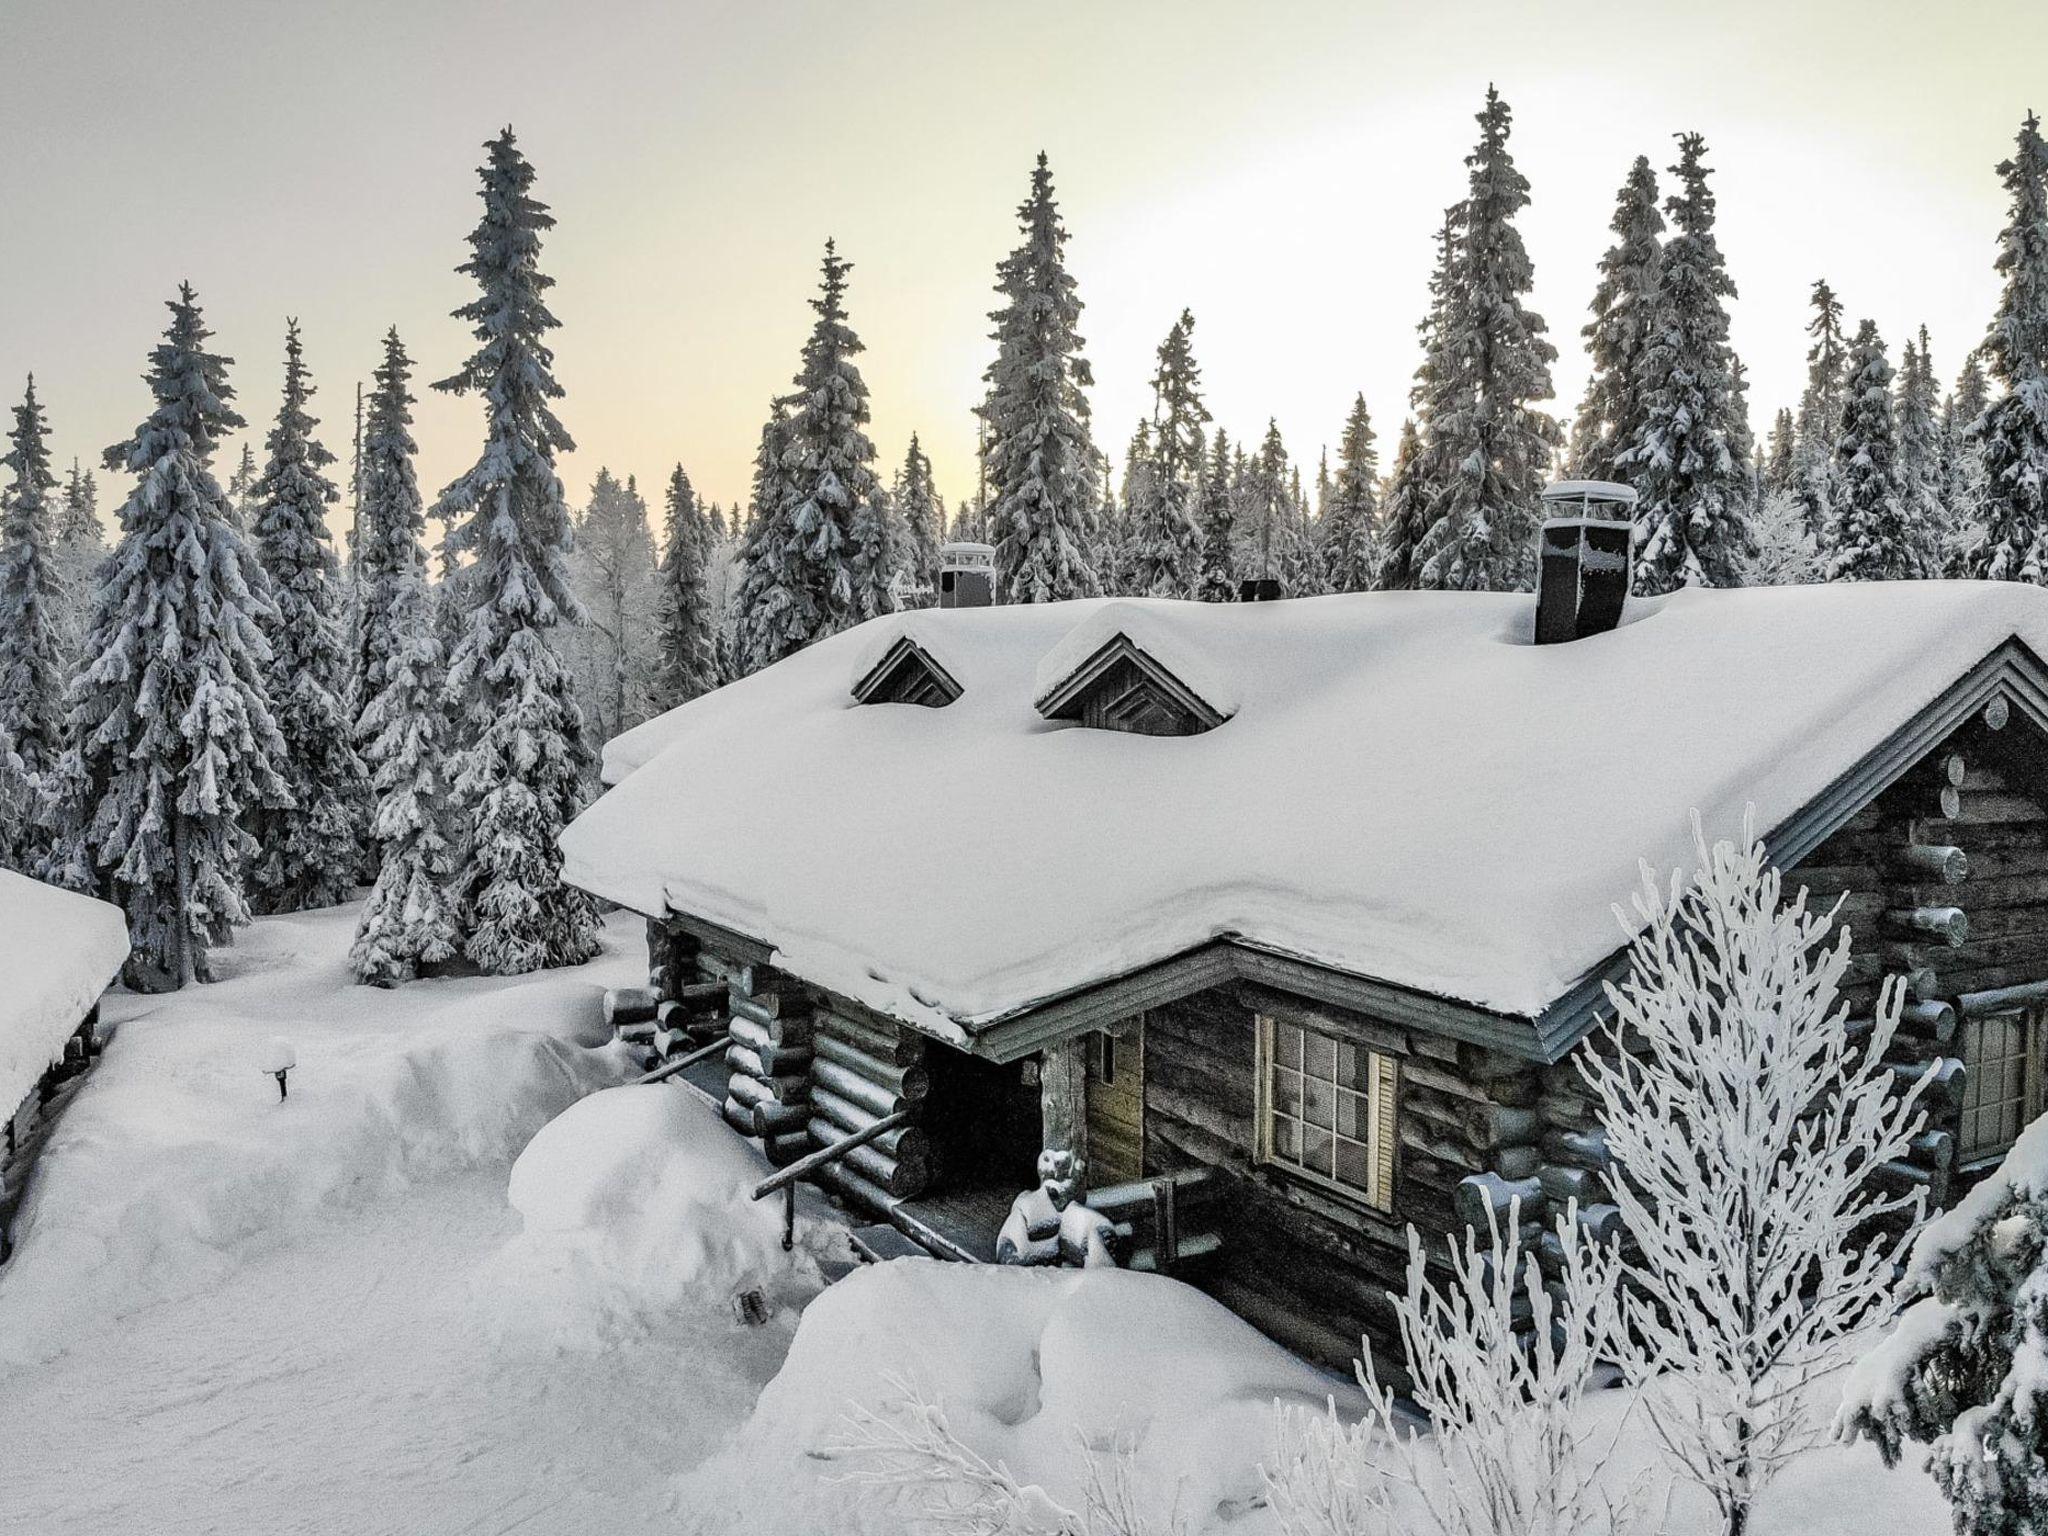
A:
[1782,552]
[924,519]
[1748,1127]
[81,544]
[1217,582]
[31,599]
[1920,467]
[1165,541]
[173,738]
[1962,468]
[1780,468]
[1869,537]
[307,852]
[1404,518]
[520,752]
[1040,460]
[1503,1366]
[687,665]
[409,920]
[1688,457]
[771,614]
[1962,1370]
[1492,445]
[243,490]
[613,562]
[1820,408]
[1611,417]
[1265,509]
[2012,434]
[1350,521]
[20,812]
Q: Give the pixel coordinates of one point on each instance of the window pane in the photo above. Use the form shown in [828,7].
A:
[1286,1091]
[1351,1114]
[1321,1057]
[1287,1138]
[1318,1106]
[1353,1165]
[1287,1045]
[1315,1148]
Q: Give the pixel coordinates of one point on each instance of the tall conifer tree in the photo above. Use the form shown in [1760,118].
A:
[1351,515]
[2012,434]
[1689,458]
[1922,483]
[1041,462]
[1870,537]
[32,601]
[1404,520]
[520,754]
[1820,408]
[688,665]
[924,518]
[1217,581]
[1165,540]
[174,741]
[1611,417]
[771,617]
[307,854]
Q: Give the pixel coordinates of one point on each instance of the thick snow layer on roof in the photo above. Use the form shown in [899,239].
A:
[58,951]
[1409,790]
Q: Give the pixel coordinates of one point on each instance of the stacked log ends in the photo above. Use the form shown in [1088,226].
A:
[862,1071]
[769,1088]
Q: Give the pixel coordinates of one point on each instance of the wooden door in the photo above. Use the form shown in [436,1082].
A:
[1116,1104]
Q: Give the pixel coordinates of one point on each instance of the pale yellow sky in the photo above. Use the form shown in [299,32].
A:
[1277,167]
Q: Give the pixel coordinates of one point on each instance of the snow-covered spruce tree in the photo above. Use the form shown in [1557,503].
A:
[1920,467]
[1404,518]
[613,562]
[243,490]
[1820,408]
[1780,468]
[519,752]
[1165,540]
[1961,1371]
[31,601]
[1688,456]
[409,920]
[1041,462]
[81,544]
[1749,1128]
[307,853]
[1782,552]
[1611,416]
[1302,563]
[1494,447]
[173,738]
[1263,509]
[20,807]
[1962,468]
[924,520]
[2012,434]
[1350,521]
[1502,1366]
[1217,579]
[770,616]
[687,663]
[1869,537]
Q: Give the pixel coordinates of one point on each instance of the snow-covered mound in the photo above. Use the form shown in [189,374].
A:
[178,1151]
[58,951]
[636,1205]
[1028,1364]
[1408,790]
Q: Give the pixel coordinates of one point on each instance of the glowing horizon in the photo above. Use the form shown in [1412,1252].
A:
[1279,174]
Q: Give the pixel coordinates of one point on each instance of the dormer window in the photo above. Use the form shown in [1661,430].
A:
[1124,669]
[906,673]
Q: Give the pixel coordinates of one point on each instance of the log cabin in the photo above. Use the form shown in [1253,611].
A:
[1282,920]
[58,952]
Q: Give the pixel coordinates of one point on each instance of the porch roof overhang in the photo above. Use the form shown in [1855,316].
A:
[2012,675]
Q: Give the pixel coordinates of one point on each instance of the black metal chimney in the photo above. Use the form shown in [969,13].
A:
[1585,559]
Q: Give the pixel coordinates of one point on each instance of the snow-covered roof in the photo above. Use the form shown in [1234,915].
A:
[58,951]
[1409,791]
[1149,627]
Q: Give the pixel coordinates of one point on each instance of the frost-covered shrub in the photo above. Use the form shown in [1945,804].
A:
[1965,1371]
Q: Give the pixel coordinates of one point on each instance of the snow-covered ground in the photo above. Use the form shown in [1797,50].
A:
[362,1310]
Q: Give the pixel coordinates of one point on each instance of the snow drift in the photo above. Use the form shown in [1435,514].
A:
[1030,1365]
[636,1203]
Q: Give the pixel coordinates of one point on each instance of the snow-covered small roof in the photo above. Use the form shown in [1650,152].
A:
[58,951]
[1409,791]
[1147,627]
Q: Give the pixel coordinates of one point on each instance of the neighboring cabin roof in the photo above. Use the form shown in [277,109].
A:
[1409,791]
[58,951]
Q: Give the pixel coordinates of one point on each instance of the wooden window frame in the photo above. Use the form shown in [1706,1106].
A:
[1381,1101]
[1972,1155]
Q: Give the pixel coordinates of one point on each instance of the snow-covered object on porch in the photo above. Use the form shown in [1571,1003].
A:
[58,952]
[637,1205]
[1409,790]
[1026,1365]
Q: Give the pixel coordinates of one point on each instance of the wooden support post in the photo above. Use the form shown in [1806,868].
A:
[1063,1104]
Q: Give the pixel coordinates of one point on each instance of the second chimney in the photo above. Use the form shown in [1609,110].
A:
[1585,557]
